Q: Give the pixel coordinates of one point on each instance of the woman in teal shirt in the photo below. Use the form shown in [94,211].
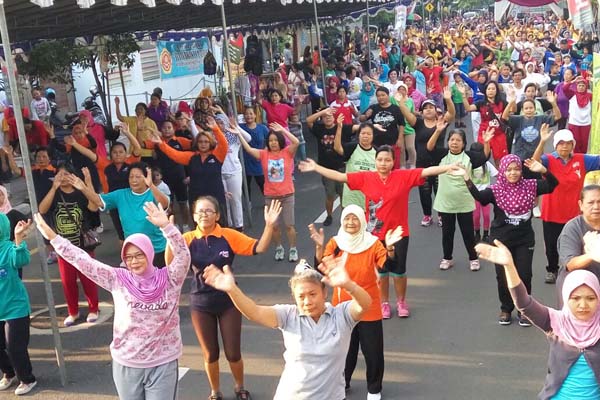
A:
[453,202]
[14,310]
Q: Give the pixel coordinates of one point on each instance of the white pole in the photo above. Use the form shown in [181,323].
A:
[235,113]
[11,69]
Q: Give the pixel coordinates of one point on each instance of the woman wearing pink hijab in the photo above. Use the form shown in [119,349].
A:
[99,132]
[573,331]
[146,336]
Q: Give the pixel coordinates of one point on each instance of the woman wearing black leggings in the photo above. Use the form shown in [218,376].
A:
[514,198]
[212,310]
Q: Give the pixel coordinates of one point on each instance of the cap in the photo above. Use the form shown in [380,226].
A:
[427,102]
[563,135]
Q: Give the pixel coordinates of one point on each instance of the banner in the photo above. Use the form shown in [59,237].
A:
[594,177]
[400,25]
[181,58]
[581,13]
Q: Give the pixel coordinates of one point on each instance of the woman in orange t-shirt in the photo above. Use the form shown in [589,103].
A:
[365,255]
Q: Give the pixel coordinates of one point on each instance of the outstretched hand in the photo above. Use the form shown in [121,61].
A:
[498,254]
[317,236]
[535,166]
[334,271]
[220,280]
[308,165]
[156,214]
[22,229]
[272,212]
[393,236]
[545,132]
[148,177]
[43,227]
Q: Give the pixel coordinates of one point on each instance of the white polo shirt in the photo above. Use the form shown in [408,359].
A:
[315,352]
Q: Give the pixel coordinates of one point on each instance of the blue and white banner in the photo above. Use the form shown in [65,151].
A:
[181,58]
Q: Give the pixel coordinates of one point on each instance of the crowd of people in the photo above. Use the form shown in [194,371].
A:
[396,119]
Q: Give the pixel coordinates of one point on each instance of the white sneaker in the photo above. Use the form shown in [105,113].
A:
[293,254]
[446,264]
[92,317]
[537,212]
[5,382]
[70,320]
[474,265]
[279,253]
[373,396]
[100,228]
[25,388]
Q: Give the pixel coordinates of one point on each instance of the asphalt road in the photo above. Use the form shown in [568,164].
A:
[450,348]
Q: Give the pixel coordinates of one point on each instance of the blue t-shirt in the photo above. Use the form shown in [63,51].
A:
[258,141]
[132,215]
[580,383]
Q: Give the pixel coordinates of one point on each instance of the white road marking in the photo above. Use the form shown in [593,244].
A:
[323,215]
[106,311]
[182,372]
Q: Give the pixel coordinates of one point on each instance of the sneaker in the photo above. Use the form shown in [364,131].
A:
[279,253]
[403,311]
[477,237]
[243,394]
[485,238]
[373,396]
[446,264]
[504,318]
[25,388]
[328,221]
[100,228]
[474,265]
[426,221]
[550,278]
[537,212]
[51,258]
[293,255]
[524,321]
[386,310]
[440,221]
[92,317]
[5,382]
[70,320]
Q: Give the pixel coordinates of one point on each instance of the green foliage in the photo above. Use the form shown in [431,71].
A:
[121,48]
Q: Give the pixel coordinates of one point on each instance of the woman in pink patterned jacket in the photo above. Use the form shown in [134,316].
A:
[146,336]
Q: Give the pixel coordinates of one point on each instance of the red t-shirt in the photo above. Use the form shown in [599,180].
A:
[562,204]
[278,168]
[345,109]
[432,78]
[490,116]
[386,202]
[278,113]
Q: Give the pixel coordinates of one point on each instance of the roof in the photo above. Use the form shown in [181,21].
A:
[65,19]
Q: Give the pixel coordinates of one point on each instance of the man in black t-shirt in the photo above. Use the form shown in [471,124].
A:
[323,126]
[389,117]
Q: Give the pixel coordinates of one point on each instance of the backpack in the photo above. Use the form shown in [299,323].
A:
[210,64]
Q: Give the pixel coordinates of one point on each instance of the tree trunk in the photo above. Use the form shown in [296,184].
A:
[99,85]
[122,82]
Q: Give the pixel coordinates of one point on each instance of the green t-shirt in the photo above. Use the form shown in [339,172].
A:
[453,195]
[456,95]
[359,160]
[408,130]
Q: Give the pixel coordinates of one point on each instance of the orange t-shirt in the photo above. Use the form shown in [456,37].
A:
[361,269]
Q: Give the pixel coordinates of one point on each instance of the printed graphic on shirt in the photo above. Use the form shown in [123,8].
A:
[516,220]
[530,134]
[275,170]
[374,225]
[577,169]
[384,118]
[68,220]
[3,273]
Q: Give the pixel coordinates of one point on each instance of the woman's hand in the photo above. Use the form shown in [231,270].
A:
[272,212]
[148,177]
[447,93]
[535,166]
[22,230]
[156,214]
[545,133]
[220,280]
[210,122]
[393,236]
[334,271]
[498,254]
[551,97]
[340,120]
[317,236]
[379,127]
[117,101]
[441,123]
[275,127]
[76,182]
[488,134]
[69,140]
[307,166]
[43,227]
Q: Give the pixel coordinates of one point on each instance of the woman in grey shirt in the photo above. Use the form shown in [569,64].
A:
[316,334]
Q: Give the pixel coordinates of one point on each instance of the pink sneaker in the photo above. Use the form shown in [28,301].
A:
[386,310]
[427,220]
[403,311]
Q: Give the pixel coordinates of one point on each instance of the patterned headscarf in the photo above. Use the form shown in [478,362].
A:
[514,198]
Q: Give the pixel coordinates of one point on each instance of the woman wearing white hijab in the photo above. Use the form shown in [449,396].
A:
[365,255]
[573,331]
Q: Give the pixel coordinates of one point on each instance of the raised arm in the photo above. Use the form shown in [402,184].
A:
[103,275]
[118,109]
[311,119]
[311,165]
[544,136]
[69,140]
[255,153]
[159,196]
[439,128]
[337,141]
[136,148]
[272,212]
[551,97]
[225,281]
[220,152]
[294,142]
[450,110]
[408,115]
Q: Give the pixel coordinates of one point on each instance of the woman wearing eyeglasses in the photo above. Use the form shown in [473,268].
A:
[146,336]
[316,335]
[212,310]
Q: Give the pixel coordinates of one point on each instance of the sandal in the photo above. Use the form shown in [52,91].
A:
[218,396]
[243,394]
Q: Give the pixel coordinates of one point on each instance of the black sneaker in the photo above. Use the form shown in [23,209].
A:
[477,237]
[550,278]
[485,238]
[524,321]
[505,318]
[327,221]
